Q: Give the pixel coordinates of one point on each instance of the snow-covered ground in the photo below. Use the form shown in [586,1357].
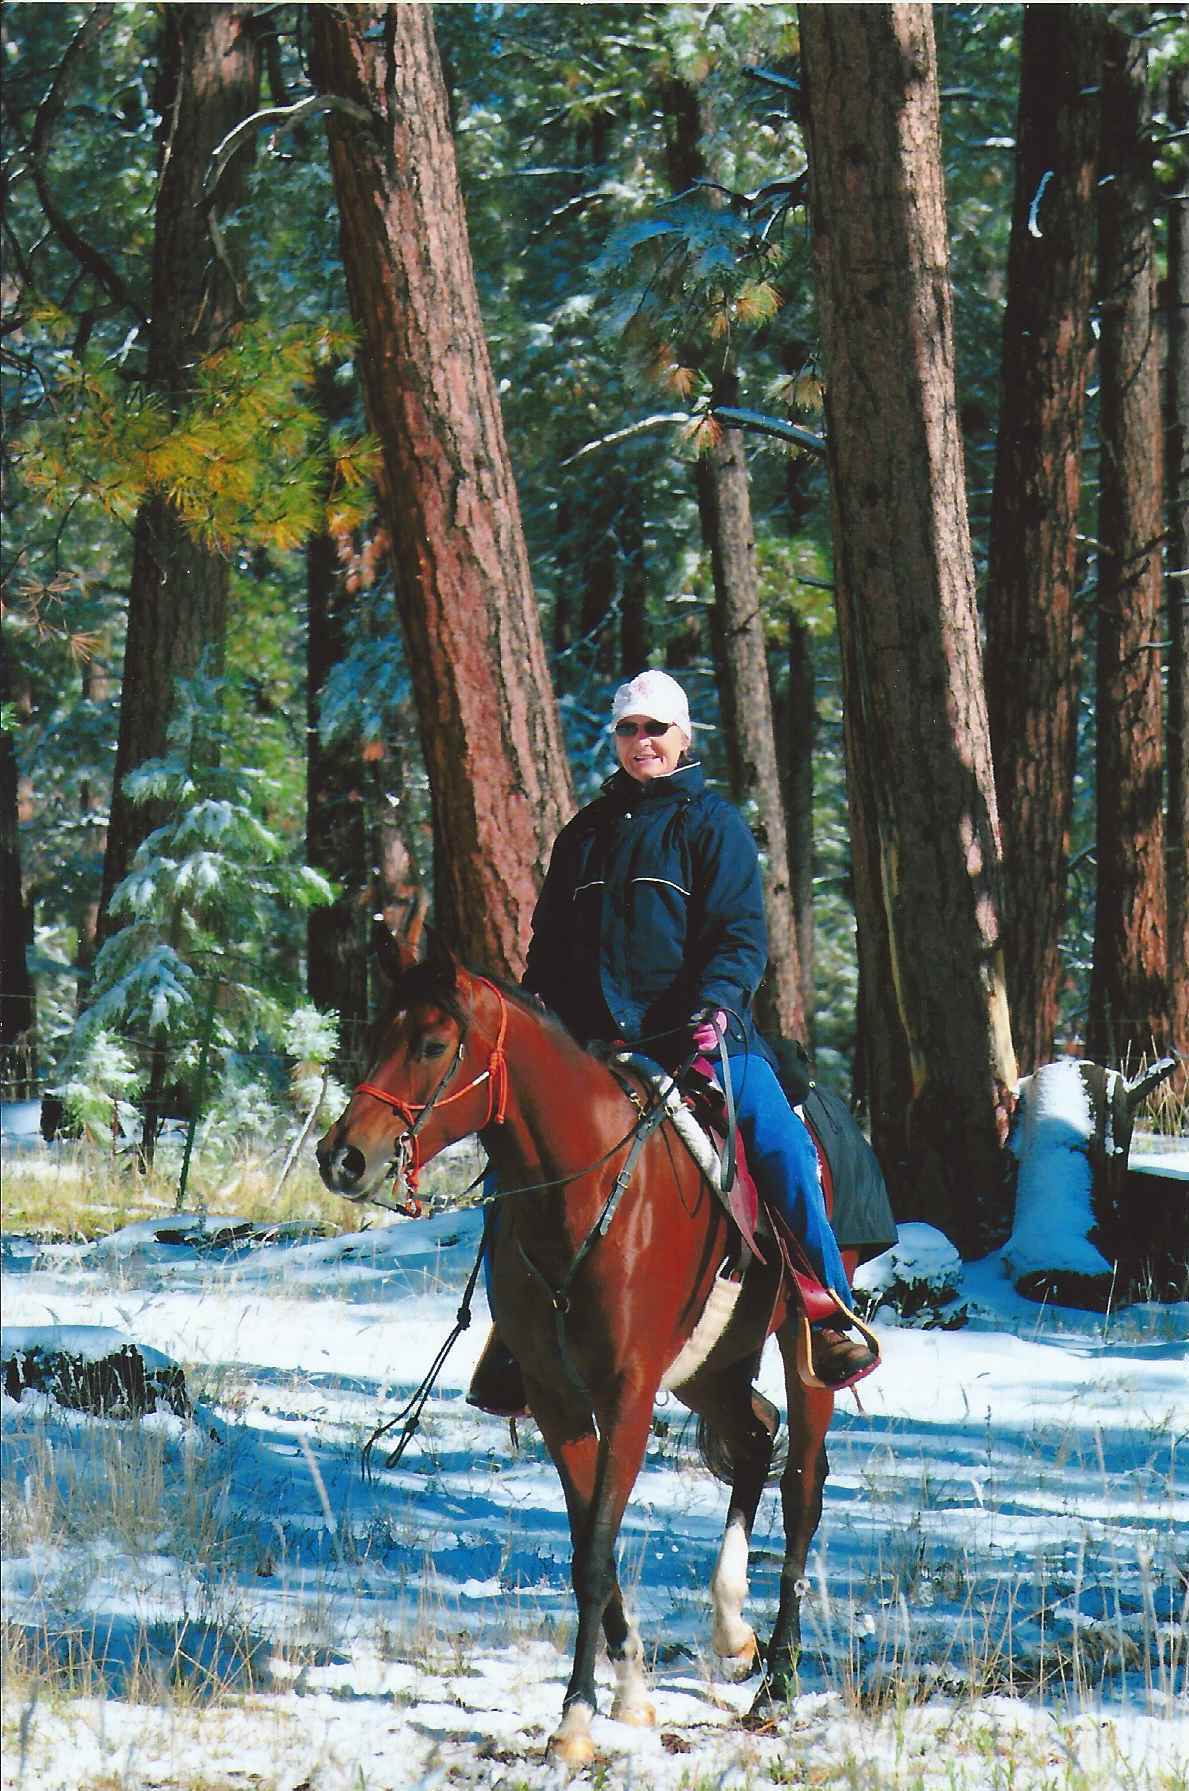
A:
[998,1586]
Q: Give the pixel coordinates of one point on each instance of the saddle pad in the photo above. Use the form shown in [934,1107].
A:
[742,1202]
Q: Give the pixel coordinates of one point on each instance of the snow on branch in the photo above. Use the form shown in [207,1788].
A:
[755,421]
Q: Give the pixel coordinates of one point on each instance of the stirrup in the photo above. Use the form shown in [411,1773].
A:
[803,1350]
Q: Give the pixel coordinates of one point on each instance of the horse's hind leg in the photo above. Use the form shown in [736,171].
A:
[744,1423]
[801,1488]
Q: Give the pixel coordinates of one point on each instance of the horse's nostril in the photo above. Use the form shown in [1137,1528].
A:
[352,1164]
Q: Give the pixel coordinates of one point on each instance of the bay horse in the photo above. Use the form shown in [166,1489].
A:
[597,1284]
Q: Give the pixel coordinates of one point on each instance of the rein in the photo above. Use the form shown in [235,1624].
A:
[406,1152]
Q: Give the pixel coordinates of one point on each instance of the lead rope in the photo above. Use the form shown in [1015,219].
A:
[410,1415]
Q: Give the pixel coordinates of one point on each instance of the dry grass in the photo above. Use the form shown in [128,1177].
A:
[77,1192]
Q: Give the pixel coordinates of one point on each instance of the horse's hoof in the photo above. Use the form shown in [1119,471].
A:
[741,1661]
[571,1750]
[769,1705]
[639,1716]
[762,1721]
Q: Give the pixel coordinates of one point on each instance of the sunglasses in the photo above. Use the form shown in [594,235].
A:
[627,730]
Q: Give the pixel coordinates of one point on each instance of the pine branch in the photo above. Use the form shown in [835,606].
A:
[48,114]
[286,118]
[658,421]
[754,421]
[760,423]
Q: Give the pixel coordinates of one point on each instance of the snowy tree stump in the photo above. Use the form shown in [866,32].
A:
[1079,1236]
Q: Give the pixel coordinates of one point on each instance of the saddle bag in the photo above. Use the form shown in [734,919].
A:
[862,1214]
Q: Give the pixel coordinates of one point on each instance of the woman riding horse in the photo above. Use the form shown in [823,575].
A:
[650,929]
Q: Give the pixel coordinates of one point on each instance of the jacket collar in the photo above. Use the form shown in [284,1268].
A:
[687,781]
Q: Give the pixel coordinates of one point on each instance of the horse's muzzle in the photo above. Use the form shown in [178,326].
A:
[343,1168]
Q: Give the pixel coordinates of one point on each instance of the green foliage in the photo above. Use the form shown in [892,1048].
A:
[199,914]
[607,300]
[249,460]
[99,1083]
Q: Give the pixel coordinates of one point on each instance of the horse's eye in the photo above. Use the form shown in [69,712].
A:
[433,1048]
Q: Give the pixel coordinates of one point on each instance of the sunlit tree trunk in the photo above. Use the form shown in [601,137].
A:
[1033,645]
[1177,580]
[745,700]
[919,764]
[177,598]
[737,627]
[1129,995]
[488,721]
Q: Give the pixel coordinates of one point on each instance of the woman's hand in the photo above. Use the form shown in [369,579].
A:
[707,1028]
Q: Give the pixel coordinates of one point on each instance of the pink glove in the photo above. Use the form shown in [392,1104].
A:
[708,1032]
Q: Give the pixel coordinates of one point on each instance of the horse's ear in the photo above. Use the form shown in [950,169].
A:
[393,955]
[438,957]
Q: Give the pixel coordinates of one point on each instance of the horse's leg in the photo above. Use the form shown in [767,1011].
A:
[801,1487]
[745,1423]
[597,1479]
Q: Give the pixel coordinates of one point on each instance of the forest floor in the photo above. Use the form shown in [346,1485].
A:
[224,1603]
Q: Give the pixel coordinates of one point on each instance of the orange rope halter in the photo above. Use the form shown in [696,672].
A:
[407,1148]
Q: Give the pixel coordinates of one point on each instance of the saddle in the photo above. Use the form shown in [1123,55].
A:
[755,1218]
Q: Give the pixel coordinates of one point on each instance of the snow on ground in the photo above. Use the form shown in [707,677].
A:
[998,1586]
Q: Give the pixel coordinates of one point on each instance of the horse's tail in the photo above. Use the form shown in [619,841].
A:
[718,1459]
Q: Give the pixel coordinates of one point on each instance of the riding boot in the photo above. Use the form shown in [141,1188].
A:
[839,1358]
[497,1385]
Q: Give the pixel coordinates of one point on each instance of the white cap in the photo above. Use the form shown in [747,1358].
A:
[656,696]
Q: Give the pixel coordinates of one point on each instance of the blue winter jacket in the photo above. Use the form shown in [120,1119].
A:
[652,910]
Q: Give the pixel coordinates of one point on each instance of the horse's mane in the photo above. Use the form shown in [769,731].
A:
[536,1009]
[434,980]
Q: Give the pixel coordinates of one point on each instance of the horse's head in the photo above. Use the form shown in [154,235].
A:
[413,1101]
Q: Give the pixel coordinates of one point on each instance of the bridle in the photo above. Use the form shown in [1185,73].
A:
[406,1149]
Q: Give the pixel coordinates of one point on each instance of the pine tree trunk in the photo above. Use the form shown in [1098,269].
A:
[633,627]
[489,727]
[18,1061]
[799,742]
[1129,998]
[1177,581]
[745,696]
[338,935]
[177,599]
[1033,645]
[745,703]
[926,828]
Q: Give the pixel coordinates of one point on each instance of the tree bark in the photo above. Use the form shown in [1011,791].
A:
[1177,581]
[1129,997]
[634,642]
[1033,636]
[737,627]
[177,599]
[919,767]
[488,720]
[18,1058]
[745,705]
[799,742]
[337,936]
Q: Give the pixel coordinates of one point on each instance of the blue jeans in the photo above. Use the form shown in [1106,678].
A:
[781,1157]
[783,1160]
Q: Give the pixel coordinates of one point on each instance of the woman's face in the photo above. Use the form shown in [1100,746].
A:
[644,755]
